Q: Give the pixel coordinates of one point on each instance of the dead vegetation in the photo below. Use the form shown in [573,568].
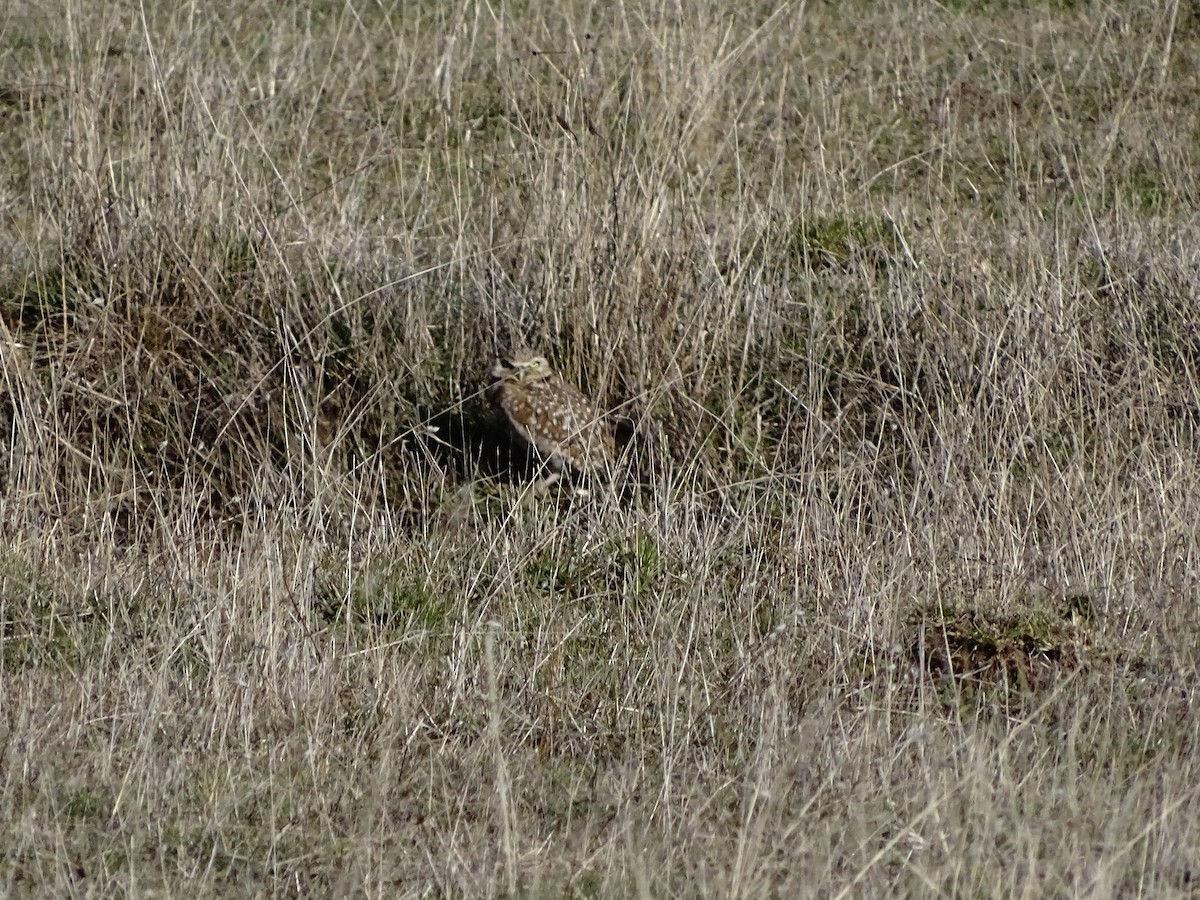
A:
[895,304]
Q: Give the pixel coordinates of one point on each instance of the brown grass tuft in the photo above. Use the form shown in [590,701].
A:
[893,303]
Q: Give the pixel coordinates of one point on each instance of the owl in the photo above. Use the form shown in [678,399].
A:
[550,415]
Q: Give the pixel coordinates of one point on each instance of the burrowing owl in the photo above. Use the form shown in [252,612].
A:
[550,415]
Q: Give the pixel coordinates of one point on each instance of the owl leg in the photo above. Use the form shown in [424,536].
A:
[542,486]
[554,471]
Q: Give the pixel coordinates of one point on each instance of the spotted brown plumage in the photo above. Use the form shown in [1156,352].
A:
[550,415]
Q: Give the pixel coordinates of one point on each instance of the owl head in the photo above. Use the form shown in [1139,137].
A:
[521,365]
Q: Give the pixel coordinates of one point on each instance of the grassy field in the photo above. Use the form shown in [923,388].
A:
[897,306]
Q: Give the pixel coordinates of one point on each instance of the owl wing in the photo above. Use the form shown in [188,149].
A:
[588,440]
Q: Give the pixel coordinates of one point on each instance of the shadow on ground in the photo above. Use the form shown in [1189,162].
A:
[471,446]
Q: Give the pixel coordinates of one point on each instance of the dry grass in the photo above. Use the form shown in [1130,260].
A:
[902,299]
